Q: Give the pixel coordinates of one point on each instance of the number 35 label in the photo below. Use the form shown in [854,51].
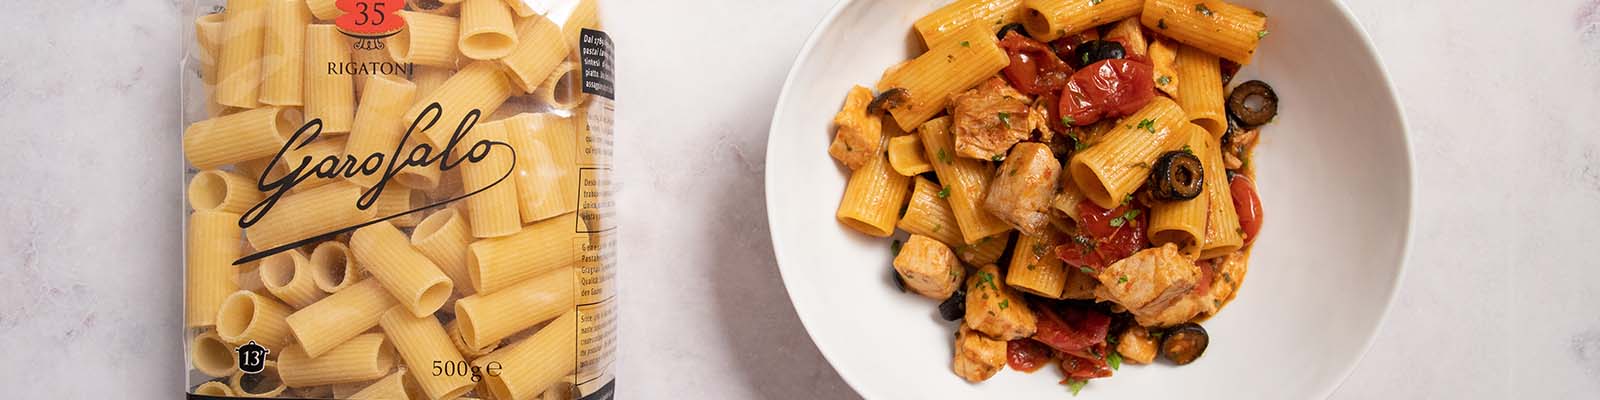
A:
[370,19]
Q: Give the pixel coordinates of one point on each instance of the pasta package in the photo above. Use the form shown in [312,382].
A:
[399,200]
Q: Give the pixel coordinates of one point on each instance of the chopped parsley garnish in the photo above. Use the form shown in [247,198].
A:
[1004,304]
[966,44]
[1086,270]
[1076,385]
[1227,277]
[1039,249]
[1187,149]
[1148,125]
[1125,218]
[1206,11]
[944,193]
[1161,23]
[1122,279]
[1067,119]
[1086,58]
[944,157]
[1031,267]
[937,227]
[985,277]
[997,157]
[1095,2]
[1005,118]
[1262,34]
[1013,172]
[1084,241]
[894,248]
[1126,200]
[1115,360]
[1164,80]
[1216,303]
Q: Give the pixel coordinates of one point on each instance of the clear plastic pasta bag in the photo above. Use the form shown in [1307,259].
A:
[398,200]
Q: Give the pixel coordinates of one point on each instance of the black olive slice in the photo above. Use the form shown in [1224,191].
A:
[1094,51]
[1177,175]
[888,99]
[1013,27]
[1253,103]
[1184,343]
[955,307]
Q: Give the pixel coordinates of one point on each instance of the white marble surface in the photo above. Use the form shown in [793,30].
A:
[1501,299]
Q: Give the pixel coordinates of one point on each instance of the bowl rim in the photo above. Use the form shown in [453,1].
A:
[806,313]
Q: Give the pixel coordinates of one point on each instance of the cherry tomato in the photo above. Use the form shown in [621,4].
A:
[1104,236]
[1079,368]
[1034,69]
[1107,89]
[1248,205]
[1065,46]
[1027,355]
[1078,331]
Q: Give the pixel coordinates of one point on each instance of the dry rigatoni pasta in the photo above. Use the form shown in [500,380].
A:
[421,342]
[210,355]
[493,208]
[478,87]
[408,275]
[289,277]
[532,364]
[1109,171]
[389,387]
[443,237]
[378,127]
[243,136]
[1200,90]
[967,179]
[308,214]
[332,267]
[239,65]
[213,244]
[487,32]
[541,50]
[1050,19]
[970,56]
[283,52]
[223,191]
[362,358]
[340,316]
[547,170]
[873,197]
[261,384]
[1214,26]
[246,316]
[214,388]
[428,39]
[559,90]
[208,40]
[330,98]
[486,318]
[943,23]
[498,263]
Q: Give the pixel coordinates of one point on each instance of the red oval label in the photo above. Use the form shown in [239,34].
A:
[370,18]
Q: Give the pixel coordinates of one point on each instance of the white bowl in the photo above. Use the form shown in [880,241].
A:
[1334,177]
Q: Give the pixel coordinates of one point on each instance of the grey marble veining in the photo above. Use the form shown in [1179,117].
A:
[1500,299]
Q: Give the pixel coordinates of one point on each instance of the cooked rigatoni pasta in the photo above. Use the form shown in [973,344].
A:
[233,138]
[1200,90]
[308,214]
[873,197]
[1111,170]
[378,127]
[208,38]
[289,277]
[388,388]
[443,237]
[421,342]
[223,191]
[477,87]
[340,316]
[362,358]
[486,318]
[494,210]
[1223,232]
[1034,266]
[332,267]
[531,365]
[943,23]
[261,384]
[330,98]
[1217,27]
[210,355]
[547,164]
[246,316]
[428,39]
[486,29]
[408,275]
[558,90]
[1047,20]
[283,52]
[213,244]
[1145,216]
[498,263]
[970,56]
[1183,222]
[213,388]
[539,51]
[967,179]
[905,155]
[239,66]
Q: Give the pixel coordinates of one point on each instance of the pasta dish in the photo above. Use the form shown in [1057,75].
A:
[1072,177]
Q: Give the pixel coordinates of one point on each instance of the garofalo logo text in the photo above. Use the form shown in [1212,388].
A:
[420,155]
